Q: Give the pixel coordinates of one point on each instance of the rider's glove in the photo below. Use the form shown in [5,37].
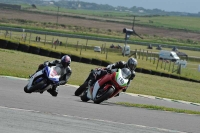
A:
[109,67]
[46,63]
[108,70]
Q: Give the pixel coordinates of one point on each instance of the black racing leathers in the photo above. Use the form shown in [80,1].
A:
[121,64]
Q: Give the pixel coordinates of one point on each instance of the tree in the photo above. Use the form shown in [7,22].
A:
[33,6]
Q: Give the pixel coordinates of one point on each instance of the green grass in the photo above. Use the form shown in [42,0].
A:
[152,107]
[190,71]
[23,64]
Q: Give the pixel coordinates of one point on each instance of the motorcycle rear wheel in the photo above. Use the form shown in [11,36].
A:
[104,96]
[81,89]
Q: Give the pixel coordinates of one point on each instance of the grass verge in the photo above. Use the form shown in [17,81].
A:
[162,108]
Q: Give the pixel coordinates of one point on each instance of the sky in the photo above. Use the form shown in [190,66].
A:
[189,6]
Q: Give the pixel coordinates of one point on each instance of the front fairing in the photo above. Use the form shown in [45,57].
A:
[114,80]
[52,73]
[122,82]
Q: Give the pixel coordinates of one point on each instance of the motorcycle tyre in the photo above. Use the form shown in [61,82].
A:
[84,97]
[81,89]
[35,87]
[105,96]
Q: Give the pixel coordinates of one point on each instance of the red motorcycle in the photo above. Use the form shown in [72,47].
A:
[108,86]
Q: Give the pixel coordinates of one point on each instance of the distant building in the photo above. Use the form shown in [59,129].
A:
[141,11]
[51,3]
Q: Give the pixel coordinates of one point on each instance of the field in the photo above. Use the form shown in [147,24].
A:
[149,33]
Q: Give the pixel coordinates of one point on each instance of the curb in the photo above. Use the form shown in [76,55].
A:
[130,94]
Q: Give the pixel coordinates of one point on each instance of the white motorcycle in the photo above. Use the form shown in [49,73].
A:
[43,79]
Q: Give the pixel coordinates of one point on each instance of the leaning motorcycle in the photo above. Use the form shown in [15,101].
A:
[43,79]
[108,86]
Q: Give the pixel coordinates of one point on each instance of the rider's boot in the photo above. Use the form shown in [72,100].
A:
[90,86]
[53,91]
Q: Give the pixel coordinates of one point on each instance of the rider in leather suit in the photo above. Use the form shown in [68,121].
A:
[66,72]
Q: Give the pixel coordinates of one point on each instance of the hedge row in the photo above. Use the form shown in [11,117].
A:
[40,51]
[146,71]
[43,52]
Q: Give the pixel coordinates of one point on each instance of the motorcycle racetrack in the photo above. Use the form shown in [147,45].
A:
[41,113]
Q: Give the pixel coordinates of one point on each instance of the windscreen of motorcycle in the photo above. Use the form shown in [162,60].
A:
[54,73]
[122,76]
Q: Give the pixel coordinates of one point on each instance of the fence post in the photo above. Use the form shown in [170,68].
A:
[45,39]
[179,69]
[162,63]
[173,67]
[25,37]
[101,48]
[77,46]
[104,48]
[136,53]
[147,56]
[165,64]
[6,33]
[157,64]
[143,54]
[154,59]
[106,53]
[30,38]
[139,53]
[55,44]
[151,56]
[86,44]
[169,66]
[52,42]
[81,48]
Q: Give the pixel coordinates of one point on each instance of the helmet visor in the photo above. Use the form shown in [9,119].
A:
[132,66]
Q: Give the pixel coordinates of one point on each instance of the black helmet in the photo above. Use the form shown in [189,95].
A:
[132,63]
[65,60]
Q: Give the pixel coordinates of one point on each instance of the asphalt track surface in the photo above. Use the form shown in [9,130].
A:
[66,113]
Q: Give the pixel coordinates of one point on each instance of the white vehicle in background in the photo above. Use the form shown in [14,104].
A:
[97,49]
[168,55]
[126,49]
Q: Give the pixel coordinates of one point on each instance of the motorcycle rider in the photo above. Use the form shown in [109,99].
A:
[66,72]
[131,64]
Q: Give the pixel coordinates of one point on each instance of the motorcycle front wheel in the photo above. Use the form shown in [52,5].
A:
[81,89]
[103,95]
[35,87]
